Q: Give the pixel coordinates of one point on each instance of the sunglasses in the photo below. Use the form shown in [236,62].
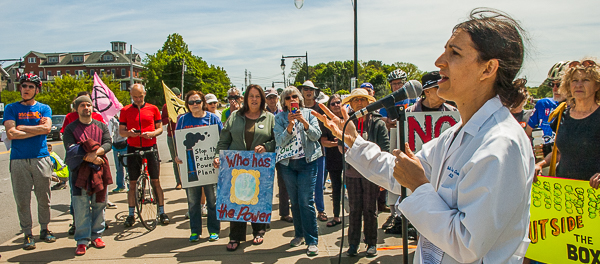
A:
[336,103]
[233,97]
[585,63]
[554,84]
[212,103]
[295,96]
[307,89]
[195,102]
[27,86]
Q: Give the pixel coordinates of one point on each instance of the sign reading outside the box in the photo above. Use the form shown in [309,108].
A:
[564,226]
[421,127]
[196,147]
[245,187]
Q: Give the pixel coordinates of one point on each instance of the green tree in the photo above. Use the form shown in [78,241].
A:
[166,65]
[60,94]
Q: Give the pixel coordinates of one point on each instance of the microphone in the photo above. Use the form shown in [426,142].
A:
[411,90]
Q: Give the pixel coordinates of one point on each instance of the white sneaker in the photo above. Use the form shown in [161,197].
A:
[204,210]
[312,250]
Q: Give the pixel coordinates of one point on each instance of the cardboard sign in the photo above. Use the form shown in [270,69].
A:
[565,221]
[245,188]
[196,148]
[421,127]
[291,149]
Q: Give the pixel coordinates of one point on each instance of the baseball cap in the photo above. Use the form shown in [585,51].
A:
[210,98]
[430,79]
[176,91]
[367,86]
[271,91]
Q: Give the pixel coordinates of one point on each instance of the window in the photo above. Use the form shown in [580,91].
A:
[112,71]
[49,73]
[122,72]
[31,59]
[68,72]
[107,57]
[53,59]
[92,72]
[41,75]
[77,58]
[123,86]
[57,73]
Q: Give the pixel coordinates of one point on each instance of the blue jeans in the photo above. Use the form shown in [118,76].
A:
[300,178]
[194,194]
[319,184]
[89,218]
[119,167]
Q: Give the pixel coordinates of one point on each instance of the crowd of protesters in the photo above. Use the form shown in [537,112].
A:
[477,76]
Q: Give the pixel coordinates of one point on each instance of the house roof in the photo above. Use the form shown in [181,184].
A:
[94,58]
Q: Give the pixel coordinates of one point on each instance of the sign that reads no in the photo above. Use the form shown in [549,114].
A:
[421,127]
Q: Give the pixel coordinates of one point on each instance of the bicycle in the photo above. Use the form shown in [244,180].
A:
[146,202]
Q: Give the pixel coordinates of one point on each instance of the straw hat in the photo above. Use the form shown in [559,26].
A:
[359,92]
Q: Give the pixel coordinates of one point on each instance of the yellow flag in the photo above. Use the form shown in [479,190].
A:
[175,106]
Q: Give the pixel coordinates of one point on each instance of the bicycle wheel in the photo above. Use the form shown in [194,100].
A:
[146,202]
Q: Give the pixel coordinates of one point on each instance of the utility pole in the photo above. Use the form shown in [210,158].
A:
[245,79]
[130,66]
[334,83]
[249,78]
[355,41]
[182,74]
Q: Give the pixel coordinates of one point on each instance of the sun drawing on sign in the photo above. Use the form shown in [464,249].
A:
[245,186]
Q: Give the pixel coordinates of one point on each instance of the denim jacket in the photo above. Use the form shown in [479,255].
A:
[310,137]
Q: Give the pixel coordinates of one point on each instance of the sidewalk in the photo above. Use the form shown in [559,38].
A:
[169,244]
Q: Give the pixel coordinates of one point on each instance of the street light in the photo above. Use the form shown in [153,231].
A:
[305,56]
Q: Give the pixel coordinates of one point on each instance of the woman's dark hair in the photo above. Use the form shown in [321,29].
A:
[263,99]
[189,94]
[333,96]
[496,35]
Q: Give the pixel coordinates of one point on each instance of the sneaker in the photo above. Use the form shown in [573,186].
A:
[129,221]
[297,241]
[29,242]
[80,251]
[194,237]
[119,190]
[213,237]
[352,250]
[72,229]
[327,191]
[98,243]
[59,186]
[111,205]
[312,250]
[47,236]
[371,251]
[187,215]
[388,223]
[164,219]
[204,210]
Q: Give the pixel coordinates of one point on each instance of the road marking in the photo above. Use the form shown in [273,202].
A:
[8,151]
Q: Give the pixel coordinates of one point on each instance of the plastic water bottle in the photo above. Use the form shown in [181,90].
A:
[538,139]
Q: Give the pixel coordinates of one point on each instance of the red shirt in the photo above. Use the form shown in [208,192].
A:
[166,122]
[74,116]
[130,117]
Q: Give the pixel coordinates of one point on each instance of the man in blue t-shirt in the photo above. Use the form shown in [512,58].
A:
[27,123]
[542,110]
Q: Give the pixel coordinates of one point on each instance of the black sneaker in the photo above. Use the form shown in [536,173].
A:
[352,250]
[371,251]
[129,221]
[29,242]
[47,236]
[388,223]
[59,186]
[71,229]
[164,219]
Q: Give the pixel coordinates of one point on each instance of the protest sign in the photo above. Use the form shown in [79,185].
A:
[245,188]
[291,149]
[421,127]
[564,226]
[196,148]
[175,106]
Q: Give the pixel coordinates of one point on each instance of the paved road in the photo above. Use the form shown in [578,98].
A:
[9,221]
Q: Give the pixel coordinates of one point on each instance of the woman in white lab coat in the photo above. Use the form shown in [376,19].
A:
[471,185]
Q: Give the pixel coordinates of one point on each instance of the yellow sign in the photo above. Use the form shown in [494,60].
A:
[175,106]
[565,223]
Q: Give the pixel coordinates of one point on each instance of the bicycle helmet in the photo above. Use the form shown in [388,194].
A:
[397,74]
[30,77]
[557,70]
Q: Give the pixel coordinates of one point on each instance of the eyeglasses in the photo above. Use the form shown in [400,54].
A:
[195,102]
[401,83]
[307,89]
[27,86]
[335,103]
[233,97]
[359,99]
[294,96]
[585,63]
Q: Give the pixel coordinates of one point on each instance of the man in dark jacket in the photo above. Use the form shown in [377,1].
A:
[89,189]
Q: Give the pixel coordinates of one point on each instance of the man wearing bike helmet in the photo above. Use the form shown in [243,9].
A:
[397,79]
[27,123]
[92,137]
[141,123]
[545,106]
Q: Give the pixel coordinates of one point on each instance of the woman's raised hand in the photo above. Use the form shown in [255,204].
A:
[336,124]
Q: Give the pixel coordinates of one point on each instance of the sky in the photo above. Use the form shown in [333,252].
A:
[253,35]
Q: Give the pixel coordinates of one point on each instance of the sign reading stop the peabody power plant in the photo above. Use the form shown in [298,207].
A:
[245,187]
[421,127]
[196,148]
[564,226]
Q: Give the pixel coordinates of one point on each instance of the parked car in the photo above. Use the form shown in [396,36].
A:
[57,122]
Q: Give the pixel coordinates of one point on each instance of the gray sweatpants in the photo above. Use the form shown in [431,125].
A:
[26,174]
